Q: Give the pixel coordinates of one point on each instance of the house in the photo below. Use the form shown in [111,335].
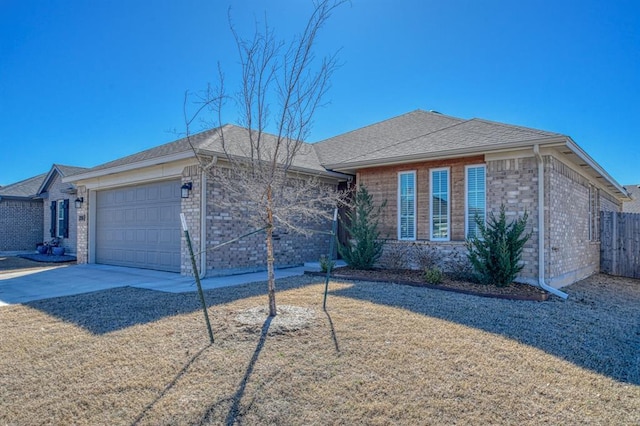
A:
[39,209]
[59,206]
[632,206]
[437,172]
[21,215]
[130,215]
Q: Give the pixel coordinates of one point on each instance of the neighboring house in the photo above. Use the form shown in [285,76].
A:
[21,215]
[437,172]
[632,206]
[58,199]
[130,214]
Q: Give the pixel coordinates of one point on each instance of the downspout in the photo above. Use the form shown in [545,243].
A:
[541,260]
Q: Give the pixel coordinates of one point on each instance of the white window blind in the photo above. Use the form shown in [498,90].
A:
[476,198]
[440,208]
[407,206]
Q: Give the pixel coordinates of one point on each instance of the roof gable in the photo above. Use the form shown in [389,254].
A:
[58,170]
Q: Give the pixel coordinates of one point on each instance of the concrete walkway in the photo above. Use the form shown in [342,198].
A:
[43,283]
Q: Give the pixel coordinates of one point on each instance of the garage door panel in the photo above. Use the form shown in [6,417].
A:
[140,226]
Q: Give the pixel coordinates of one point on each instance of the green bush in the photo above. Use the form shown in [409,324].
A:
[433,275]
[326,264]
[364,247]
[496,253]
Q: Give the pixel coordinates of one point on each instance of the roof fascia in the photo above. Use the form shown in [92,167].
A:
[596,167]
[453,153]
[18,197]
[130,166]
[304,170]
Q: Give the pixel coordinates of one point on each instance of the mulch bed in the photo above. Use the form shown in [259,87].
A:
[515,291]
[48,258]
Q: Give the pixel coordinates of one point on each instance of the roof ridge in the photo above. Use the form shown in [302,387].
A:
[384,121]
[462,121]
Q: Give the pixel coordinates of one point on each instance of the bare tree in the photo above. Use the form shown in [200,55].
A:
[267,176]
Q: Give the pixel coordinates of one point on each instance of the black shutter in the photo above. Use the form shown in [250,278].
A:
[54,218]
[64,231]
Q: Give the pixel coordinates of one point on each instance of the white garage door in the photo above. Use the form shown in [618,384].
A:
[139,226]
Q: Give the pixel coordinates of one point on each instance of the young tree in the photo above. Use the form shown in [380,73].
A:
[365,246]
[264,174]
[495,254]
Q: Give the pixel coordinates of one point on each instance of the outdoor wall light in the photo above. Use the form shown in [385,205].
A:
[184,190]
[78,202]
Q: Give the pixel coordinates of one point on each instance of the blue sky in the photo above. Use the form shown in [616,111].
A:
[86,82]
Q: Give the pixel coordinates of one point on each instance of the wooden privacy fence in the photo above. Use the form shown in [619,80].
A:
[620,244]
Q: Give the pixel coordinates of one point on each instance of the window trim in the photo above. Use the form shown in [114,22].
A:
[466,196]
[431,172]
[415,202]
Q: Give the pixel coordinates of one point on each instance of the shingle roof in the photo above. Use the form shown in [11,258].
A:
[632,206]
[420,134]
[27,188]
[210,142]
[70,170]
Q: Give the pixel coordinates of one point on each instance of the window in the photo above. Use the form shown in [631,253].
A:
[476,199]
[407,205]
[440,209]
[594,217]
[59,219]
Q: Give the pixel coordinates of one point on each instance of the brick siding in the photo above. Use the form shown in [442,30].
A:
[249,253]
[570,255]
[191,209]
[514,183]
[382,184]
[570,250]
[82,231]
[20,224]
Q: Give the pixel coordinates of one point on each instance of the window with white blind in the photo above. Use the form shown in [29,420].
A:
[440,209]
[407,205]
[476,205]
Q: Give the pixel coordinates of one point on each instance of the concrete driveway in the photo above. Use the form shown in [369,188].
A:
[23,286]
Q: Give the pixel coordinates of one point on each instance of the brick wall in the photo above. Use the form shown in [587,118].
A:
[382,184]
[249,253]
[20,224]
[609,203]
[55,193]
[571,249]
[191,209]
[514,183]
[573,254]
[82,231]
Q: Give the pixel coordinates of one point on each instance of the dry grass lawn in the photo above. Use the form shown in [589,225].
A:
[384,354]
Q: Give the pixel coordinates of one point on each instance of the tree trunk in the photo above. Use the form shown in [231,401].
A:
[270,259]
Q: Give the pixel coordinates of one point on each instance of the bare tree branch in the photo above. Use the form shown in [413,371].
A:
[264,177]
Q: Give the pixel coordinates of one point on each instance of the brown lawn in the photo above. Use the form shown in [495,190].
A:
[384,354]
